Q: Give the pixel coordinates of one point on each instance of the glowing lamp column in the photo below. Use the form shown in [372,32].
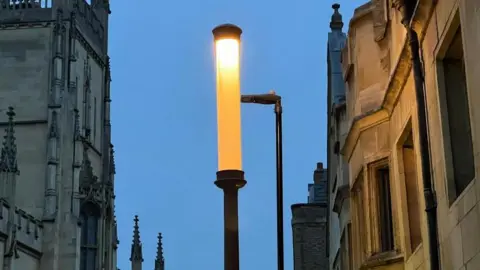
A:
[230,176]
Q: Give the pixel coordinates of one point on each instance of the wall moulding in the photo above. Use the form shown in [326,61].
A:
[397,80]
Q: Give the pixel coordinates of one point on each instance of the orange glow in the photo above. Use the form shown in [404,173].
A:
[228,104]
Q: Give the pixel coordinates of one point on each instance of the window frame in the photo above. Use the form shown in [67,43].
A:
[359,220]
[444,43]
[400,182]
[87,211]
[374,206]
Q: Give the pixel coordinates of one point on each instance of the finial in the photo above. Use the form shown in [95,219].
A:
[8,157]
[336,23]
[160,260]
[109,71]
[112,160]
[136,253]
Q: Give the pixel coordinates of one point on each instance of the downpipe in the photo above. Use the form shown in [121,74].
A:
[424,143]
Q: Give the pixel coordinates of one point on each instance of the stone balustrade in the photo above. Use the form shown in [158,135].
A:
[29,231]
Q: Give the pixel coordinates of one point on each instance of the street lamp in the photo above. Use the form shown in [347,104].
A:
[230,176]
[273,99]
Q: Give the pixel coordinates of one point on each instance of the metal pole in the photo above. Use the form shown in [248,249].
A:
[279,150]
[230,213]
[231,181]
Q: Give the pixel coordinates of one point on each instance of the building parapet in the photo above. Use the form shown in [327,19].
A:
[309,213]
[29,231]
[17,11]
[90,24]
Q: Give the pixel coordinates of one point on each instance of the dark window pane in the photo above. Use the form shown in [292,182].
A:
[83,257]
[84,218]
[386,217]
[458,114]
[89,232]
[91,257]
[92,230]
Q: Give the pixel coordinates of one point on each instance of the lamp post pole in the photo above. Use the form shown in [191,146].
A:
[273,99]
[230,177]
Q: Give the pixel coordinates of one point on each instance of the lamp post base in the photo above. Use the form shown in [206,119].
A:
[231,181]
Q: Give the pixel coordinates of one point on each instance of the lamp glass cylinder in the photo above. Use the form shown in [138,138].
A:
[227,54]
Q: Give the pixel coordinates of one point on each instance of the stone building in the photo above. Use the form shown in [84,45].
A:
[57,161]
[413,197]
[337,126]
[57,169]
[309,225]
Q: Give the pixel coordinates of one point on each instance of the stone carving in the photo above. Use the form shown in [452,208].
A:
[90,187]
[8,156]
[12,249]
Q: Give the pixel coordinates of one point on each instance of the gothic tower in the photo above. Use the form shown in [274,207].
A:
[57,178]
[136,253]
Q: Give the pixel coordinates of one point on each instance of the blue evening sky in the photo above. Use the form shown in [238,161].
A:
[164,122]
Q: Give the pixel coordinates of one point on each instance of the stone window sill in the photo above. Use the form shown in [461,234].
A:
[342,194]
[384,258]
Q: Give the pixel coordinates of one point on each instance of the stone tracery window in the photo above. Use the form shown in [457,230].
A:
[89,215]
[86,109]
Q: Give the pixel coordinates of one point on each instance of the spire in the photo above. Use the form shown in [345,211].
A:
[8,157]
[160,261]
[336,23]
[136,254]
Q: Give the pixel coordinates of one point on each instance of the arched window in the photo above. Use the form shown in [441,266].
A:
[89,215]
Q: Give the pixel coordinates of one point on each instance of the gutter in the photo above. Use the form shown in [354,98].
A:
[410,7]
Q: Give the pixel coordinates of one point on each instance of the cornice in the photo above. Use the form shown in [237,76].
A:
[89,48]
[395,85]
[20,25]
[360,124]
[343,192]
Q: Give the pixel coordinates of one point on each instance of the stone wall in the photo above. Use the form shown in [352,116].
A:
[309,225]
[381,134]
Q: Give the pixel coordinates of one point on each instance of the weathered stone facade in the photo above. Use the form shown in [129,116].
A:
[310,225]
[386,183]
[55,74]
[337,126]
[57,165]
